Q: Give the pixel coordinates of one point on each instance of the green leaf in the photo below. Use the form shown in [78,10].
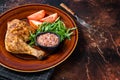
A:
[57,27]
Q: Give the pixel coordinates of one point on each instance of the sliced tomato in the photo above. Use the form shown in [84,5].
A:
[51,18]
[35,23]
[37,16]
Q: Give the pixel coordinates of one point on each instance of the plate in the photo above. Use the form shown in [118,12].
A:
[33,65]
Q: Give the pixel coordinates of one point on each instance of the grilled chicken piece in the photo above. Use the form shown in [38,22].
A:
[17,34]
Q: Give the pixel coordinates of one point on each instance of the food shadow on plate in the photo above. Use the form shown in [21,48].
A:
[48,52]
[30,57]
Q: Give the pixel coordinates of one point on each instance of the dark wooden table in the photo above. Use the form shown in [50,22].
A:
[97,59]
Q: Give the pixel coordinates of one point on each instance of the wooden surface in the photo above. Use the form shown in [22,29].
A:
[96,59]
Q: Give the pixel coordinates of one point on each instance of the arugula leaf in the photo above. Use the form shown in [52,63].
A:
[57,27]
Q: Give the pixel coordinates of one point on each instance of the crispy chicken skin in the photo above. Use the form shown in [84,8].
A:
[17,34]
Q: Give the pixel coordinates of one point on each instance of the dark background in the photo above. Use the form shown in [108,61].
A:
[87,62]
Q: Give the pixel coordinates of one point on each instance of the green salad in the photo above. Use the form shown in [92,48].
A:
[57,27]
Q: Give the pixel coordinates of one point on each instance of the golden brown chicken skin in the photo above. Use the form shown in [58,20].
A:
[17,35]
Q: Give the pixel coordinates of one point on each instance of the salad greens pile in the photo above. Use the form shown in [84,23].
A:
[57,27]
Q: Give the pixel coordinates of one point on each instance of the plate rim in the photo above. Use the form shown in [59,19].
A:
[38,70]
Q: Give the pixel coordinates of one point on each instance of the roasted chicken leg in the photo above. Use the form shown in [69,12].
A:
[17,35]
